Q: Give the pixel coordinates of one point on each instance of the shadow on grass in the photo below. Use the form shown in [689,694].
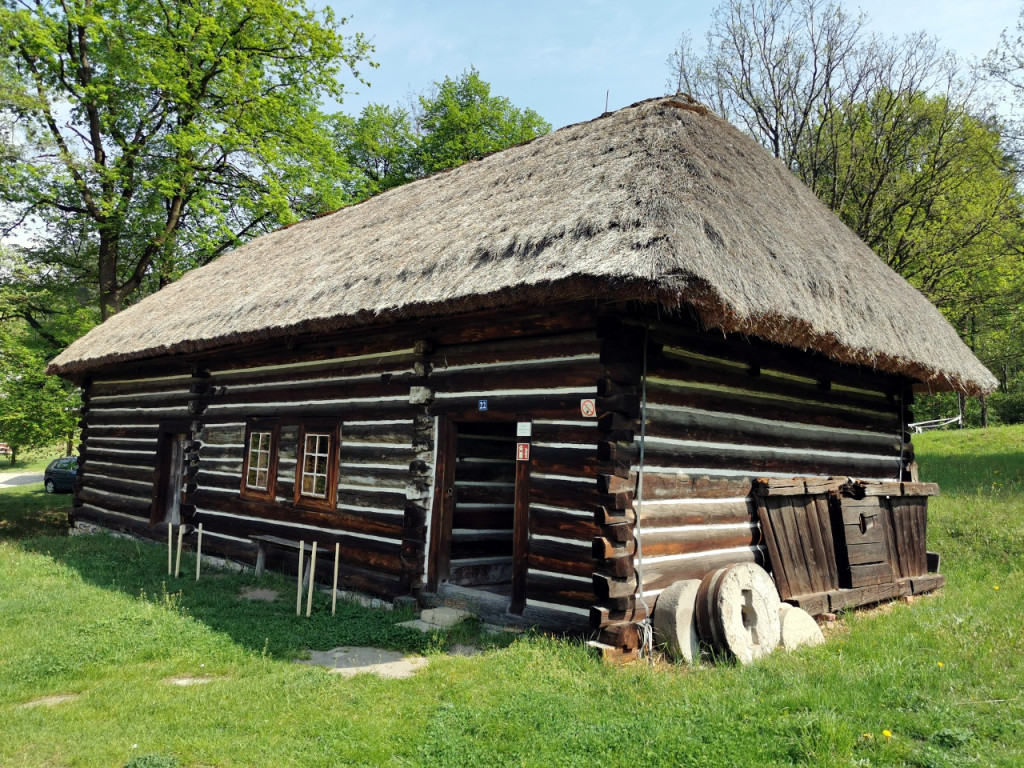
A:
[27,512]
[139,569]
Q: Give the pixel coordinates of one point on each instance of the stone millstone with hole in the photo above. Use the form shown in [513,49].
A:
[798,628]
[738,612]
[675,623]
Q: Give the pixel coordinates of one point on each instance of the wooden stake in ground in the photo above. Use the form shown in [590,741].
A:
[199,549]
[334,592]
[298,594]
[177,560]
[312,578]
[170,549]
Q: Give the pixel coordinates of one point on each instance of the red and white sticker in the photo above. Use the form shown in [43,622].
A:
[588,407]
[522,451]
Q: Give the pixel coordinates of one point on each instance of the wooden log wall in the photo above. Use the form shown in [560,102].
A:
[378,517]
[721,412]
[539,368]
[386,389]
[118,450]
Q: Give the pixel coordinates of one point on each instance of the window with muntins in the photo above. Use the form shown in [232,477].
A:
[258,476]
[316,473]
[259,471]
[316,454]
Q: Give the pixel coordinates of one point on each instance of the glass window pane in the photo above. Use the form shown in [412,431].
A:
[258,475]
[317,447]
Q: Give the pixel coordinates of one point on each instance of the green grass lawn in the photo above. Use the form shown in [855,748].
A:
[97,619]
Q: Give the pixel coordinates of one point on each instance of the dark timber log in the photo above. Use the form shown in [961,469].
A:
[762,406]
[767,356]
[679,513]
[700,540]
[549,556]
[676,365]
[561,591]
[604,547]
[562,493]
[681,485]
[544,522]
[682,424]
[373,524]
[135,506]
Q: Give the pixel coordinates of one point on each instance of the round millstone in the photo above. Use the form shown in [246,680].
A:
[798,628]
[675,622]
[738,612]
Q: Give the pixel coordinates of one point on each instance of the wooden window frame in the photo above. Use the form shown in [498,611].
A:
[330,501]
[251,427]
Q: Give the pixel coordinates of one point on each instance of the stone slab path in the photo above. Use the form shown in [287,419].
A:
[349,660]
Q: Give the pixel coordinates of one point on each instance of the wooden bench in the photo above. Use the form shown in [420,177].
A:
[266,542]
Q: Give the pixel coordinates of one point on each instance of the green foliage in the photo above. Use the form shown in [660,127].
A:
[893,137]
[182,129]
[457,121]
[36,410]
[462,121]
[381,143]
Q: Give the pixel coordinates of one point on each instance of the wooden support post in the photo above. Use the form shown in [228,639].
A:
[199,549]
[170,549]
[312,579]
[177,560]
[521,521]
[298,595]
[334,591]
[261,559]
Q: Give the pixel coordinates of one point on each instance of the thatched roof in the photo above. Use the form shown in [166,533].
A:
[653,202]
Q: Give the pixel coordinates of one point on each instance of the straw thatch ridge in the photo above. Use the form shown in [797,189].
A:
[652,202]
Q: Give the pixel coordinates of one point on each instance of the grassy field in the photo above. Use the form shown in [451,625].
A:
[938,682]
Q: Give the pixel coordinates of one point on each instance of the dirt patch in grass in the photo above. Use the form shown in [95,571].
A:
[259,593]
[49,701]
[185,680]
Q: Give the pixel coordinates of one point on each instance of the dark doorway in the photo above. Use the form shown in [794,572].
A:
[169,478]
[474,543]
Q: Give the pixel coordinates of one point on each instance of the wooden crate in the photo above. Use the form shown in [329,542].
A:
[835,544]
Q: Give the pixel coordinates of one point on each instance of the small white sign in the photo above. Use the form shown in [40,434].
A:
[524,429]
[588,407]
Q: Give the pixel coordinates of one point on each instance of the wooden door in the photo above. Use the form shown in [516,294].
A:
[481,510]
[169,479]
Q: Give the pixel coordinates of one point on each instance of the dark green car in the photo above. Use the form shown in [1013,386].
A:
[60,475]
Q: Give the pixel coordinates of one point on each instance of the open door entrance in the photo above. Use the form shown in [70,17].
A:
[480,515]
[169,478]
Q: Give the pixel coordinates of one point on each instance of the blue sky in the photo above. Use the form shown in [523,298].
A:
[561,57]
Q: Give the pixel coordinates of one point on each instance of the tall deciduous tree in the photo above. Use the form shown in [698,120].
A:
[154,134]
[455,121]
[461,121]
[380,145]
[40,313]
[888,132]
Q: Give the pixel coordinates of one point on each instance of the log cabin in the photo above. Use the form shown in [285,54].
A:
[548,383]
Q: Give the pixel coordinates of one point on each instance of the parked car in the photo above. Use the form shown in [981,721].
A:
[60,475]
